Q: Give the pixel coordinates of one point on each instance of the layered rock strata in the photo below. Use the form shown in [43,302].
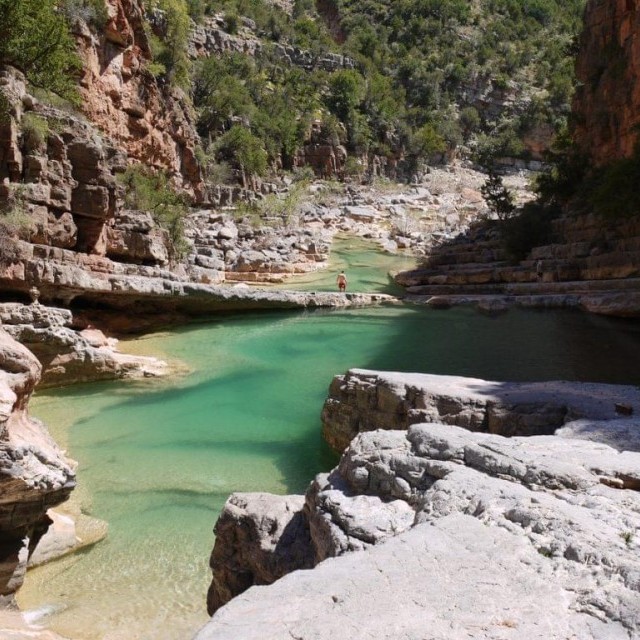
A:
[34,473]
[151,122]
[363,400]
[445,532]
[69,355]
[591,264]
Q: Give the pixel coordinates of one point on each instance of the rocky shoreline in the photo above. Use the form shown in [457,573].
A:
[438,527]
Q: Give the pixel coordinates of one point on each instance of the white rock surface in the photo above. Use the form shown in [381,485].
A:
[436,531]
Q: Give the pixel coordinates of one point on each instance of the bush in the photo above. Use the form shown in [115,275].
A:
[93,12]
[35,131]
[172,52]
[498,198]
[240,147]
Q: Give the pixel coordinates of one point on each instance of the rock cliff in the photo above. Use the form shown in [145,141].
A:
[153,124]
[607,101]
[441,530]
[34,473]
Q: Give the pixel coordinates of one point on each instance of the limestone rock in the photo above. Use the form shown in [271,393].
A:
[34,474]
[364,400]
[69,356]
[259,538]
[522,537]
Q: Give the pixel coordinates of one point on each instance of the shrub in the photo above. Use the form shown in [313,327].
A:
[240,147]
[92,12]
[35,131]
[498,198]
[172,52]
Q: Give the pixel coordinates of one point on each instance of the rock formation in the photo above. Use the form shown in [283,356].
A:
[608,95]
[152,123]
[364,400]
[441,530]
[34,474]
[68,355]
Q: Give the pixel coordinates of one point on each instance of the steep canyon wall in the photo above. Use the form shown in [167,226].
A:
[607,102]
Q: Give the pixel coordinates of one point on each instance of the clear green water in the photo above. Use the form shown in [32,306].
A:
[366,267]
[158,459]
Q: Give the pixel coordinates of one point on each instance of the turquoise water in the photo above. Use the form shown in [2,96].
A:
[159,458]
[366,267]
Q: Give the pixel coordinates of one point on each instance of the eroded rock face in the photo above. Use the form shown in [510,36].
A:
[259,538]
[608,69]
[152,124]
[363,400]
[502,538]
[68,355]
[34,473]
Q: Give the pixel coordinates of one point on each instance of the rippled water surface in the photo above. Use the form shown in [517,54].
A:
[159,458]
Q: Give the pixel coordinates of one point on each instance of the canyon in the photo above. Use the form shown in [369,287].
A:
[493,509]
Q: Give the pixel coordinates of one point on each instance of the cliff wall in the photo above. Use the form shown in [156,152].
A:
[153,124]
[607,102]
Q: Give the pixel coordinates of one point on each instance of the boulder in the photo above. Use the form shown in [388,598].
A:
[494,538]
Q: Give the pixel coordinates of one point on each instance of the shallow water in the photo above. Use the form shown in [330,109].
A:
[158,459]
[366,267]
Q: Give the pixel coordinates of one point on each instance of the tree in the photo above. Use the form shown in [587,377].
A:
[244,150]
[498,198]
[35,38]
[346,91]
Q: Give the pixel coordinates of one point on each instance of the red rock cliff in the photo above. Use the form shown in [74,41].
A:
[607,102]
[152,124]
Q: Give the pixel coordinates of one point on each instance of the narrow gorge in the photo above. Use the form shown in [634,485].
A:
[449,449]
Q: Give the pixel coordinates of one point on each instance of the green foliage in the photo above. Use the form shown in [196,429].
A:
[627,537]
[434,50]
[498,198]
[346,92]
[14,225]
[35,38]
[171,52]
[283,211]
[152,192]
[243,150]
[5,109]
[427,142]
[565,175]
[35,131]
[93,12]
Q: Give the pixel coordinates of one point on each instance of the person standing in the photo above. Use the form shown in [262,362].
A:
[342,282]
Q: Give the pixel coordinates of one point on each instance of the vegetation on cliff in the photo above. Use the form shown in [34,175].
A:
[35,38]
[424,79]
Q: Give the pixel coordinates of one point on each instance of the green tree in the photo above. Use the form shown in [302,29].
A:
[240,147]
[346,91]
[152,192]
[35,38]
[498,198]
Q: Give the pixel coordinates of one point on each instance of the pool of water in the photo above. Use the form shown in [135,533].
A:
[159,458]
[366,267]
